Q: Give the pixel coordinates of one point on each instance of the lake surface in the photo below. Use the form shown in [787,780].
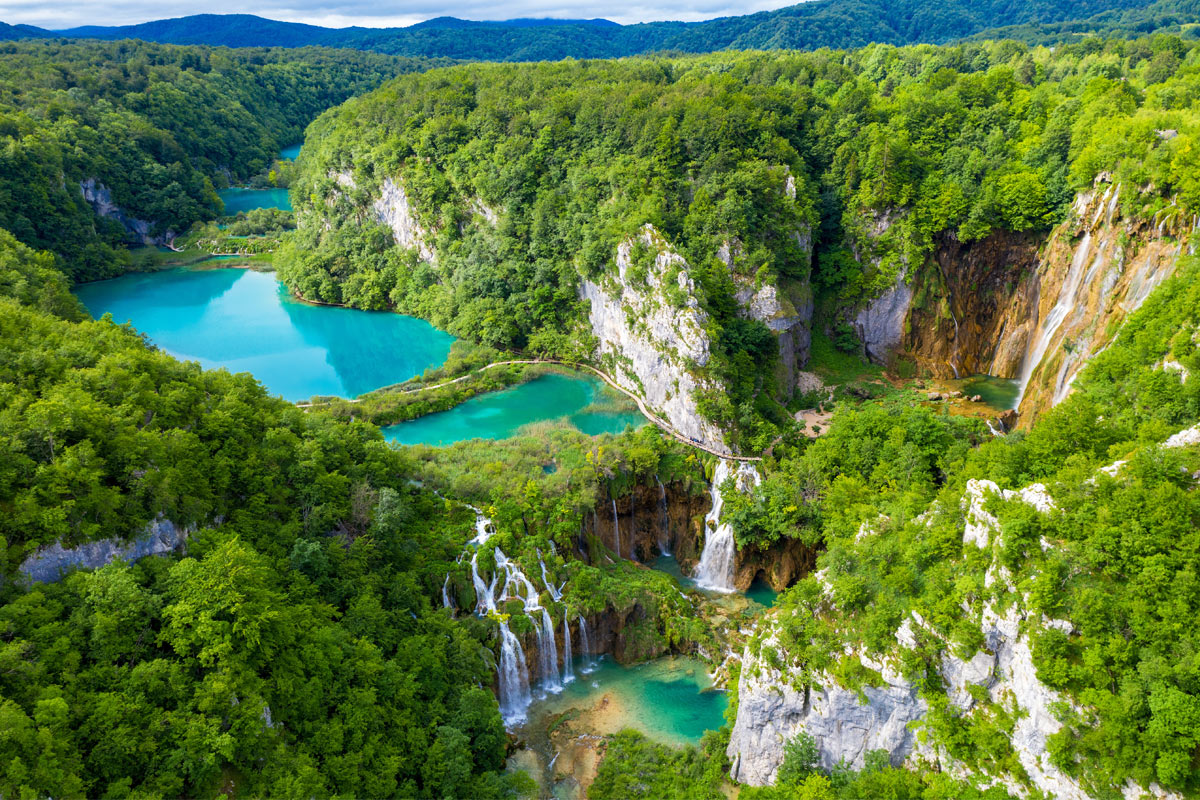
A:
[760,591]
[291,152]
[243,199]
[498,415]
[246,321]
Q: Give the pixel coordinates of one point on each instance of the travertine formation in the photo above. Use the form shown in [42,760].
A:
[51,563]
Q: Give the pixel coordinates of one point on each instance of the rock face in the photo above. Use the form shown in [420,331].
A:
[771,711]
[880,324]
[788,313]
[393,209]
[1097,268]
[99,197]
[50,563]
[651,334]
[774,706]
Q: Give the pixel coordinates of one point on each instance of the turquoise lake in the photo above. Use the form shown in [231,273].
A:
[291,152]
[498,415]
[246,321]
[242,199]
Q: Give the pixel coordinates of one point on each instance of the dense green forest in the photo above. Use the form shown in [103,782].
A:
[807,26]
[160,127]
[888,151]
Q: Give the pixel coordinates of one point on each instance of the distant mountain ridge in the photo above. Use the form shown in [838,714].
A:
[810,25]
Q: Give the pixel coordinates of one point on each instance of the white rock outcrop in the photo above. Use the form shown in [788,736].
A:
[772,710]
[50,563]
[650,344]
[99,197]
[394,209]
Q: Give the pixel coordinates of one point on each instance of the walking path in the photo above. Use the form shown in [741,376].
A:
[646,412]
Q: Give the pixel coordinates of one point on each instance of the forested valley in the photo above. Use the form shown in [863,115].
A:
[338,615]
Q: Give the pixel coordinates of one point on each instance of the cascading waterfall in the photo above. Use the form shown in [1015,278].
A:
[513,678]
[568,666]
[664,521]
[548,655]
[954,353]
[1056,317]
[717,561]
[446,592]
[585,646]
[483,528]
[485,595]
[616,528]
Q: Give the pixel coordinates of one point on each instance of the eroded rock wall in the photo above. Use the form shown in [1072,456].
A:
[50,563]
[652,335]
[99,197]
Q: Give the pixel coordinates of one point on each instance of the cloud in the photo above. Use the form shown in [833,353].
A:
[383,13]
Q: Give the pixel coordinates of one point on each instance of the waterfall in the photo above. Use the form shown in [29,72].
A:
[568,666]
[585,647]
[616,528]
[664,522]
[446,592]
[548,655]
[483,528]
[717,562]
[555,594]
[485,595]
[995,431]
[513,678]
[1065,304]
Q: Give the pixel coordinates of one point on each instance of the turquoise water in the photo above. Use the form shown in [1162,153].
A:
[245,321]
[498,415]
[242,199]
[761,592]
[999,393]
[291,152]
[670,700]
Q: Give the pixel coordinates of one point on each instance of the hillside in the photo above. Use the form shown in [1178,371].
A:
[807,26]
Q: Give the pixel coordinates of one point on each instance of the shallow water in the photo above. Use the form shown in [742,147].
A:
[999,393]
[498,415]
[759,592]
[246,321]
[240,198]
[670,700]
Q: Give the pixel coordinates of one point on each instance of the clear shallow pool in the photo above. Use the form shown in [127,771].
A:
[671,700]
[498,415]
[242,199]
[759,592]
[246,321]
[999,393]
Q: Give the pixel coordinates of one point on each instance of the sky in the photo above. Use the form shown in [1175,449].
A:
[56,14]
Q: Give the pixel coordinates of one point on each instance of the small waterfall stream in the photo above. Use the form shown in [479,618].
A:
[446,592]
[717,561]
[568,665]
[1065,304]
[513,678]
[664,520]
[616,528]
[585,647]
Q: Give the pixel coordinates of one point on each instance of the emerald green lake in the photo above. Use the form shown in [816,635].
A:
[246,321]
[999,393]
[498,415]
[243,199]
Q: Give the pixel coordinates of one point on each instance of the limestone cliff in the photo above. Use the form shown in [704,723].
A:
[1020,305]
[51,563]
[776,702]
[652,334]
[99,197]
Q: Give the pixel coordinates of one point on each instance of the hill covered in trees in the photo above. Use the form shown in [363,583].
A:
[158,127]
[807,26]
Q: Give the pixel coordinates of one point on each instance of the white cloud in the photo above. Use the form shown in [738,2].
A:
[55,14]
